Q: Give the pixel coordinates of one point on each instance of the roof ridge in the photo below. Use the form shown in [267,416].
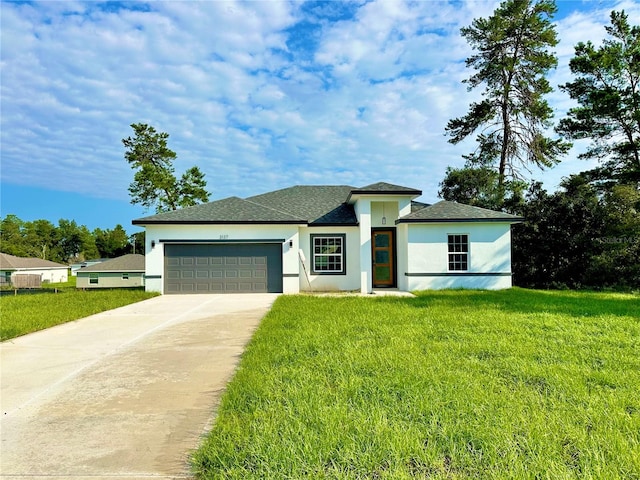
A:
[273,209]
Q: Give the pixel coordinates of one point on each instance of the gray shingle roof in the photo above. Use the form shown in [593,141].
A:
[445,211]
[385,189]
[227,210]
[11,262]
[132,262]
[318,205]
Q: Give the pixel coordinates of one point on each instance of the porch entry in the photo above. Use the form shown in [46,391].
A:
[383,257]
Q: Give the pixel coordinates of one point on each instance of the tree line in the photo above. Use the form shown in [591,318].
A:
[66,242]
[587,233]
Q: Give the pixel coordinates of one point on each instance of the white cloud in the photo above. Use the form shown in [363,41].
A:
[367,100]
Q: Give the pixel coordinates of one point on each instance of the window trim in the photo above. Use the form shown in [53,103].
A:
[125,276]
[452,253]
[94,279]
[343,254]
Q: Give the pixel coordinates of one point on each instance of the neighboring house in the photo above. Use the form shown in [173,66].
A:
[51,272]
[75,267]
[327,238]
[121,272]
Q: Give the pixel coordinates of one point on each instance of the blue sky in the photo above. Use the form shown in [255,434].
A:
[260,95]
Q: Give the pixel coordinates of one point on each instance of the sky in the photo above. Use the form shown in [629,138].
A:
[260,95]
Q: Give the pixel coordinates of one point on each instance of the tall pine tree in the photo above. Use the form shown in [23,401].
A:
[511,62]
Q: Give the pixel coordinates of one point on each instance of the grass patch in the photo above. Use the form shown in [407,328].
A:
[33,311]
[448,385]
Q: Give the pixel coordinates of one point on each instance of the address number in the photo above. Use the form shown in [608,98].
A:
[224,237]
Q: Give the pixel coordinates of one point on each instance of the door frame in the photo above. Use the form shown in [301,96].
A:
[394,276]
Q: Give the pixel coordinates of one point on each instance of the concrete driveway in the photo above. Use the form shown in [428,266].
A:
[122,394]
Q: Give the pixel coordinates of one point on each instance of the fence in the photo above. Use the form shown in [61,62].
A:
[26,280]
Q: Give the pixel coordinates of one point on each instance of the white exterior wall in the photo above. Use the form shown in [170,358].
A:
[402,238]
[154,257]
[318,283]
[489,253]
[363,214]
[51,275]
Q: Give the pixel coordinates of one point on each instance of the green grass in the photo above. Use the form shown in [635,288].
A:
[449,385]
[29,312]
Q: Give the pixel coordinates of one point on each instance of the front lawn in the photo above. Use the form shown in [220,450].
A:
[448,385]
[29,312]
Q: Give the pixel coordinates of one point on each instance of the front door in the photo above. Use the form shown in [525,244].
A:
[383,258]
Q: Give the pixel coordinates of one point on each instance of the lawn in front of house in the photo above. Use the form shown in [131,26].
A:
[59,303]
[450,384]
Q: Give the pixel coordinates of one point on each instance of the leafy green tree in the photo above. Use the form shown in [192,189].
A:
[137,242]
[11,236]
[112,243]
[607,89]
[555,246]
[69,239]
[512,60]
[479,186]
[89,250]
[618,264]
[41,240]
[154,183]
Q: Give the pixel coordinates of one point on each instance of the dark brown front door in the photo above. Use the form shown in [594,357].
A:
[382,257]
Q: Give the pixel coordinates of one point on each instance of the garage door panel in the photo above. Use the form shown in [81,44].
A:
[220,268]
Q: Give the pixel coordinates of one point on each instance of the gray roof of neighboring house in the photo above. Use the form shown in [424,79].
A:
[318,205]
[132,262]
[445,211]
[11,262]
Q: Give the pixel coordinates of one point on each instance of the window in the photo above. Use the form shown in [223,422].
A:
[125,276]
[328,254]
[93,278]
[458,252]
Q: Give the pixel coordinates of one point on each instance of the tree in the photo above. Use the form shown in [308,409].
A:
[89,250]
[69,239]
[112,243]
[137,242]
[479,186]
[607,89]
[11,236]
[618,264]
[41,240]
[155,183]
[511,62]
[555,246]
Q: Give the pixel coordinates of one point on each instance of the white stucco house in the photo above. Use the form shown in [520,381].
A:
[327,238]
[49,271]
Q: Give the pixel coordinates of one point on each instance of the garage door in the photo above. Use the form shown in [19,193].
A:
[227,268]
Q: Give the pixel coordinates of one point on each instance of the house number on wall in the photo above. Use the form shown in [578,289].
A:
[224,237]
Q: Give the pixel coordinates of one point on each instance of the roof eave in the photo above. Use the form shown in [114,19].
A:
[334,224]
[460,220]
[218,222]
[406,193]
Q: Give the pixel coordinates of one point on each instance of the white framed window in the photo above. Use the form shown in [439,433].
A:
[93,278]
[125,276]
[458,248]
[328,254]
